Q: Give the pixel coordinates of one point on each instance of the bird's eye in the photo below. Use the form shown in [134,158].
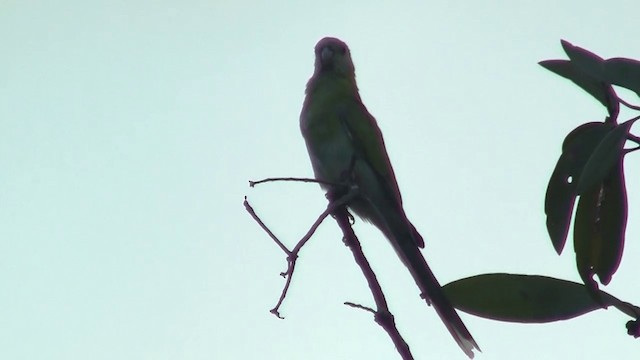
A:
[342,50]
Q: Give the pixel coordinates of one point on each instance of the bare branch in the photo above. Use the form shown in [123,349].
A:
[382,315]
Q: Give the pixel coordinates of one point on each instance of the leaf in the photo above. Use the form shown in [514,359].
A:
[577,135]
[614,223]
[520,298]
[585,60]
[587,237]
[560,197]
[604,157]
[599,229]
[623,72]
[600,91]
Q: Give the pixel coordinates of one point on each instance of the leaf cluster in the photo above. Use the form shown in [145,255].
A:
[590,170]
[591,167]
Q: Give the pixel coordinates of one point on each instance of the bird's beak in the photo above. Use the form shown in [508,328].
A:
[326,54]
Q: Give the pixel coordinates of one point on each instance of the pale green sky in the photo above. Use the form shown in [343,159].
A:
[129,131]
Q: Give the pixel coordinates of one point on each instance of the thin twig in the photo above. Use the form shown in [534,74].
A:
[291,266]
[361,307]
[331,208]
[630,150]
[633,138]
[628,105]
[295,179]
[264,227]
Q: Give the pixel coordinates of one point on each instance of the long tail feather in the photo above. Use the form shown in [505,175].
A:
[432,292]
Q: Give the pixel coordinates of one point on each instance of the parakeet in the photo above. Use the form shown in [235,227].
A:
[346,146]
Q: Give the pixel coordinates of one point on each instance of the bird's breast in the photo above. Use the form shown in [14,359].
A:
[328,144]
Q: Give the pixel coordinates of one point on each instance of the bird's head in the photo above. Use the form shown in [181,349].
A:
[332,55]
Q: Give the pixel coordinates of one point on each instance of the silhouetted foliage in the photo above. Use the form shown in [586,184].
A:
[590,169]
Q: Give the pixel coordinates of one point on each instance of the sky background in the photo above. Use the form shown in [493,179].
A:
[129,131]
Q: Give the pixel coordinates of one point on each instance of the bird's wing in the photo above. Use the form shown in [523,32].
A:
[366,136]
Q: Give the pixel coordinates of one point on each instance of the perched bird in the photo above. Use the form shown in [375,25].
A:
[346,147]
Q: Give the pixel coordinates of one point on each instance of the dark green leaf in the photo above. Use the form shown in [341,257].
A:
[603,158]
[576,150]
[587,236]
[613,215]
[623,72]
[586,61]
[586,132]
[599,229]
[602,92]
[520,298]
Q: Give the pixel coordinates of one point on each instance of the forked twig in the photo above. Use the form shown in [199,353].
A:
[292,255]
[337,208]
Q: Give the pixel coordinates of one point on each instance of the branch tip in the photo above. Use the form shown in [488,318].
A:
[361,307]
[275,312]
